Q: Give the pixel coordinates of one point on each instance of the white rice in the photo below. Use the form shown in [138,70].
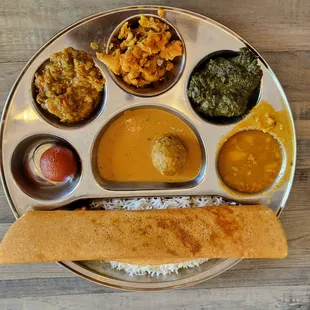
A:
[156,270]
[157,203]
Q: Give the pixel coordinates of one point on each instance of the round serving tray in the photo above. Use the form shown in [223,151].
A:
[22,123]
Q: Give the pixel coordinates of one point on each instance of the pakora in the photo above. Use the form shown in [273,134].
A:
[144,54]
[169,155]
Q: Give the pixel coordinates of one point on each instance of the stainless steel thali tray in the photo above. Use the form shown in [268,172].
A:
[24,128]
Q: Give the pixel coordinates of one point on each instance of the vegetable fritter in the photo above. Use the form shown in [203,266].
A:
[169,155]
[142,55]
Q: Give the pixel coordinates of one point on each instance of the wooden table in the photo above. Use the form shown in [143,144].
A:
[280,30]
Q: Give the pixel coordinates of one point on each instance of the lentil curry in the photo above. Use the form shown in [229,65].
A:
[265,118]
[250,161]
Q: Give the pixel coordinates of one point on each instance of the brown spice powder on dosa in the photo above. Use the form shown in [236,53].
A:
[145,237]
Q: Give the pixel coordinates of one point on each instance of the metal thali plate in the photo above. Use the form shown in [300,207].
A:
[24,127]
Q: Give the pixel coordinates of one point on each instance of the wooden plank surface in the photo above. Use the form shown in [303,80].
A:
[280,31]
[276,297]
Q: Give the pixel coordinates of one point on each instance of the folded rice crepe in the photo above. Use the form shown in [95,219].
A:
[148,237]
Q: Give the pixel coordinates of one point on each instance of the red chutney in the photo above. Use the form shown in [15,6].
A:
[57,163]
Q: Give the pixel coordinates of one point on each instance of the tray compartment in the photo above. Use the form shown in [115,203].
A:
[25,167]
[147,185]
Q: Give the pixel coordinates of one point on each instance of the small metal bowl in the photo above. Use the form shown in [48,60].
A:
[54,120]
[25,166]
[269,187]
[171,77]
[223,120]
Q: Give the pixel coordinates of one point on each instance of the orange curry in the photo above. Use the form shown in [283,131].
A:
[250,161]
[124,151]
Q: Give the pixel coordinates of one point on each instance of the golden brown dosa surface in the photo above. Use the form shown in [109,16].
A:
[145,237]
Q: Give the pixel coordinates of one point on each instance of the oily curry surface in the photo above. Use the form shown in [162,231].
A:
[124,151]
[250,161]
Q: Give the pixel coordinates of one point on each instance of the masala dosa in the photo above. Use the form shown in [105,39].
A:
[147,237]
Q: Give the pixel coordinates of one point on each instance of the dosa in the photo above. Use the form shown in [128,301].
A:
[147,237]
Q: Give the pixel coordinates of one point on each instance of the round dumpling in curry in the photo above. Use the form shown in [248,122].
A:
[169,155]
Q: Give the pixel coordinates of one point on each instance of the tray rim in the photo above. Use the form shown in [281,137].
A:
[147,286]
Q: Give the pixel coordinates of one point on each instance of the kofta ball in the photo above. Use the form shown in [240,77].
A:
[58,163]
[169,155]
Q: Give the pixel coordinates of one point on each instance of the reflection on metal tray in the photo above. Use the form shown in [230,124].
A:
[24,127]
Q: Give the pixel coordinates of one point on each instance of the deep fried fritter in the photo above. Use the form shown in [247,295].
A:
[169,155]
[144,54]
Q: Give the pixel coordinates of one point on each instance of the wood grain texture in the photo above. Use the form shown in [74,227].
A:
[276,297]
[280,31]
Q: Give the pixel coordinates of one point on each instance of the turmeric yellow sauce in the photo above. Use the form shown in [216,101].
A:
[266,119]
[124,151]
[250,161]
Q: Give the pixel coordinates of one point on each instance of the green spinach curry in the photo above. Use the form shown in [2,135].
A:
[223,86]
